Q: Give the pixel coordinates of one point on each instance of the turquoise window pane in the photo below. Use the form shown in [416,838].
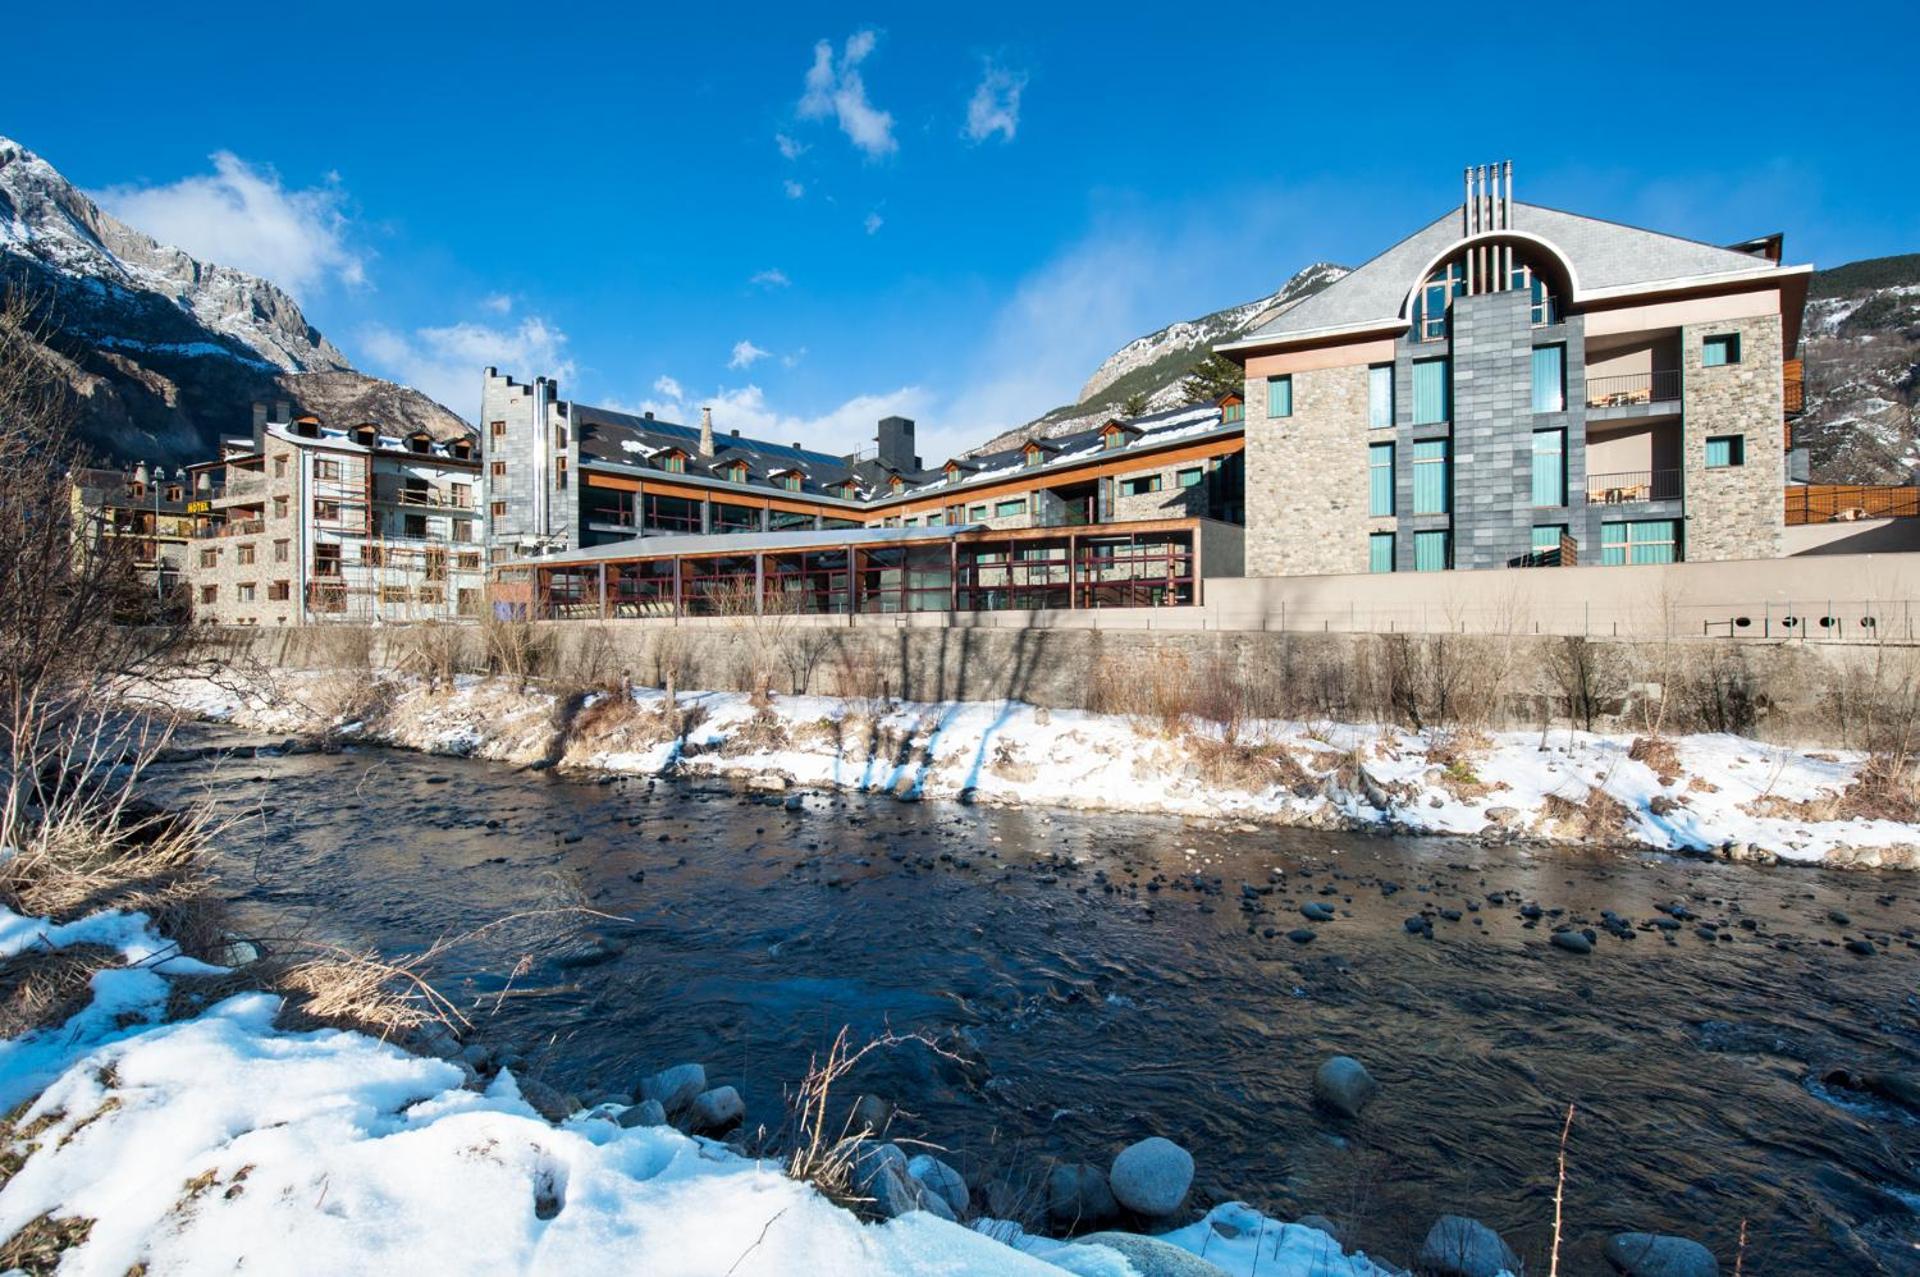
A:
[1380,478]
[1432,480]
[1380,552]
[1547,536]
[1549,378]
[1380,395]
[1719,452]
[1429,391]
[1280,396]
[1549,467]
[1717,351]
[1429,551]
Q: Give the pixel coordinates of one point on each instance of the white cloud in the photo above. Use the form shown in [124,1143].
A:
[792,358]
[793,189]
[498,303]
[746,354]
[995,105]
[837,89]
[665,385]
[874,222]
[790,148]
[244,217]
[772,278]
[446,363]
[745,408]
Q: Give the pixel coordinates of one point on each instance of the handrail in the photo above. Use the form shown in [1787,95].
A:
[1662,385]
[1626,487]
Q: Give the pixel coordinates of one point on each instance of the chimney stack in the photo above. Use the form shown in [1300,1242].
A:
[282,412]
[706,432]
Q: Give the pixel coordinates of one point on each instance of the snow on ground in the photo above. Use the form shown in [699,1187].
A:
[1716,792]
[220,1143]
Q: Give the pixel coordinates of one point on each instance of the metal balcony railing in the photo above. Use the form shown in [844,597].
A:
[1659,386]
[1627,487]
[244,483]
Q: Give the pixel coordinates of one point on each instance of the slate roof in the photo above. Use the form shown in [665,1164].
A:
[621,438]
[1153,430]
[1604,255]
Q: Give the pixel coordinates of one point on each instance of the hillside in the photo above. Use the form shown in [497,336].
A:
[1153,366]
[165,353]
[1862,351]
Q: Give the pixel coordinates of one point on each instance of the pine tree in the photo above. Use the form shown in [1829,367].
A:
[1134,405]
[1212,377]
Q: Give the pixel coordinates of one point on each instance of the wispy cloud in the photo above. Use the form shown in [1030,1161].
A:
[746,355]
[873,223]
[793,189]
[995,105]
[835,89]
[790,148]
[243,216]
[665,385]
[445,362]
[498,303]
[771,278]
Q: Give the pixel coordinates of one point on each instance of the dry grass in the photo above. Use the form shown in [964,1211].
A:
[1600,818]
[41,988]
[362,992]
[1660,756]
[37,1248]
[822,1151]
[1249,766]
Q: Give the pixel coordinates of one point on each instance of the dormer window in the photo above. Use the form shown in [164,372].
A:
[419,441]
[735,472]
[1114,435]
[307,427]
[951,470]
[895,483]
[673,462]
[365,436]
[1032,455]
[788,479]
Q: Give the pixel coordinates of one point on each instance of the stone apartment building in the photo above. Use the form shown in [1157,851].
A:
[306,523]
[1514,385]
[147,510]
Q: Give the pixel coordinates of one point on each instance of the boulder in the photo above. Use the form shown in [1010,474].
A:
[1344,1085]
[546,1101]
[871,1114]
[880,1174]
[1317,911]
[1572,942]
[645,1113]
[716,1110]
[676,1088]
[1321,1224]
[1152,1177]
[1460,1247]
[940,1180]
[1652,1255]
[1078,1193]
[1151,1257]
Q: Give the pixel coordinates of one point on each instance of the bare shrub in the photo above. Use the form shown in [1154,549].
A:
[1586,675]
[1154,689]
[514,649]
[430,650]
[823,1151]
[1717,690]
[860,679]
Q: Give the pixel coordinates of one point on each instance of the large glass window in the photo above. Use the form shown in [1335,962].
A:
[1432,551]
[1546,543]
[1430,307]
[1380,552]
[1643,541]
[1549,467]
[1432,476]
[1429,392]
[1380,395]
[1379,478]
[1280,396]
[1549,379]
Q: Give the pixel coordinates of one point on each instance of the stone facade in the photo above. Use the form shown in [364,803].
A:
[1734,512]
[1169,499]
[1307,476]
[531,467]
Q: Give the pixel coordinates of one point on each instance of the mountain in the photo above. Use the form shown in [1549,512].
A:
[1153,366]
[166,353]
[1861,345]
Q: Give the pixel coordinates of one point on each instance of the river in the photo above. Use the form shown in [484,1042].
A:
[1110,977]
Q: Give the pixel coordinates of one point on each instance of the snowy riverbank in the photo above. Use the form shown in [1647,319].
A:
[1705,794]
[222,1142]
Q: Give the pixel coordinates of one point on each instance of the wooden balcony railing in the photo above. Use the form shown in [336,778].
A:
[1793,383]
[1843,502]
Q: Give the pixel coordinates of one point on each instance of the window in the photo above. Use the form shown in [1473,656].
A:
[1140,485]
[1645,541]
[280,551]
[1380,552]
[244,553]
[462,530]
[736,473]
[326,468]
[1007,509]
[1432,476]
[1380,395]
[415,525]
[1549,467]
[976,513]
[1191,477]
[560,437]
[463,496]
[1432,551]
[468,560]
[910,523]
[1429,392]
[326,560]
[1114,439]
[280,467]
[244,592]
[1280,396]
[209,558]
[1724,451]
[499,509]
[1430,308]
[674,463]
[209,593]
[1549,379]
[278,591]
[791,482]
[560,472]
[1380,479]
[280,507]
[498,469]
[499,429]
[1546,544]
[326,511]
[1031,457]
[1235,411]
[1720,350]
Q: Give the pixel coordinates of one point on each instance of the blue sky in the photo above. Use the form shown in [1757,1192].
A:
[809,219]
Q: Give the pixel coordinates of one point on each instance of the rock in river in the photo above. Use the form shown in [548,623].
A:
[1572,942]
[1152,1177]
[940,1179]
[715,1110]
[1317,911]
[645,1113]
[1460,1247]
[676,1087]
[1651,1255]
[1344,1085]
[1077,1193]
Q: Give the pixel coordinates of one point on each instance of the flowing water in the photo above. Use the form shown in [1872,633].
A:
[1107,977]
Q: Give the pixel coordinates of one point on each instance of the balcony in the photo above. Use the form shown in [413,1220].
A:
[1631,487]
[232,528]
[426,498]
[1793,385]
[1634,389]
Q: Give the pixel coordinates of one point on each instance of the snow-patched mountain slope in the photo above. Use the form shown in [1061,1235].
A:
[165,352]
[1861,345]
[1153,366]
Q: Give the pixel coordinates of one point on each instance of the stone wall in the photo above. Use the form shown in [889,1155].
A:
[1307,476]
[1171,502]
[1734,512]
